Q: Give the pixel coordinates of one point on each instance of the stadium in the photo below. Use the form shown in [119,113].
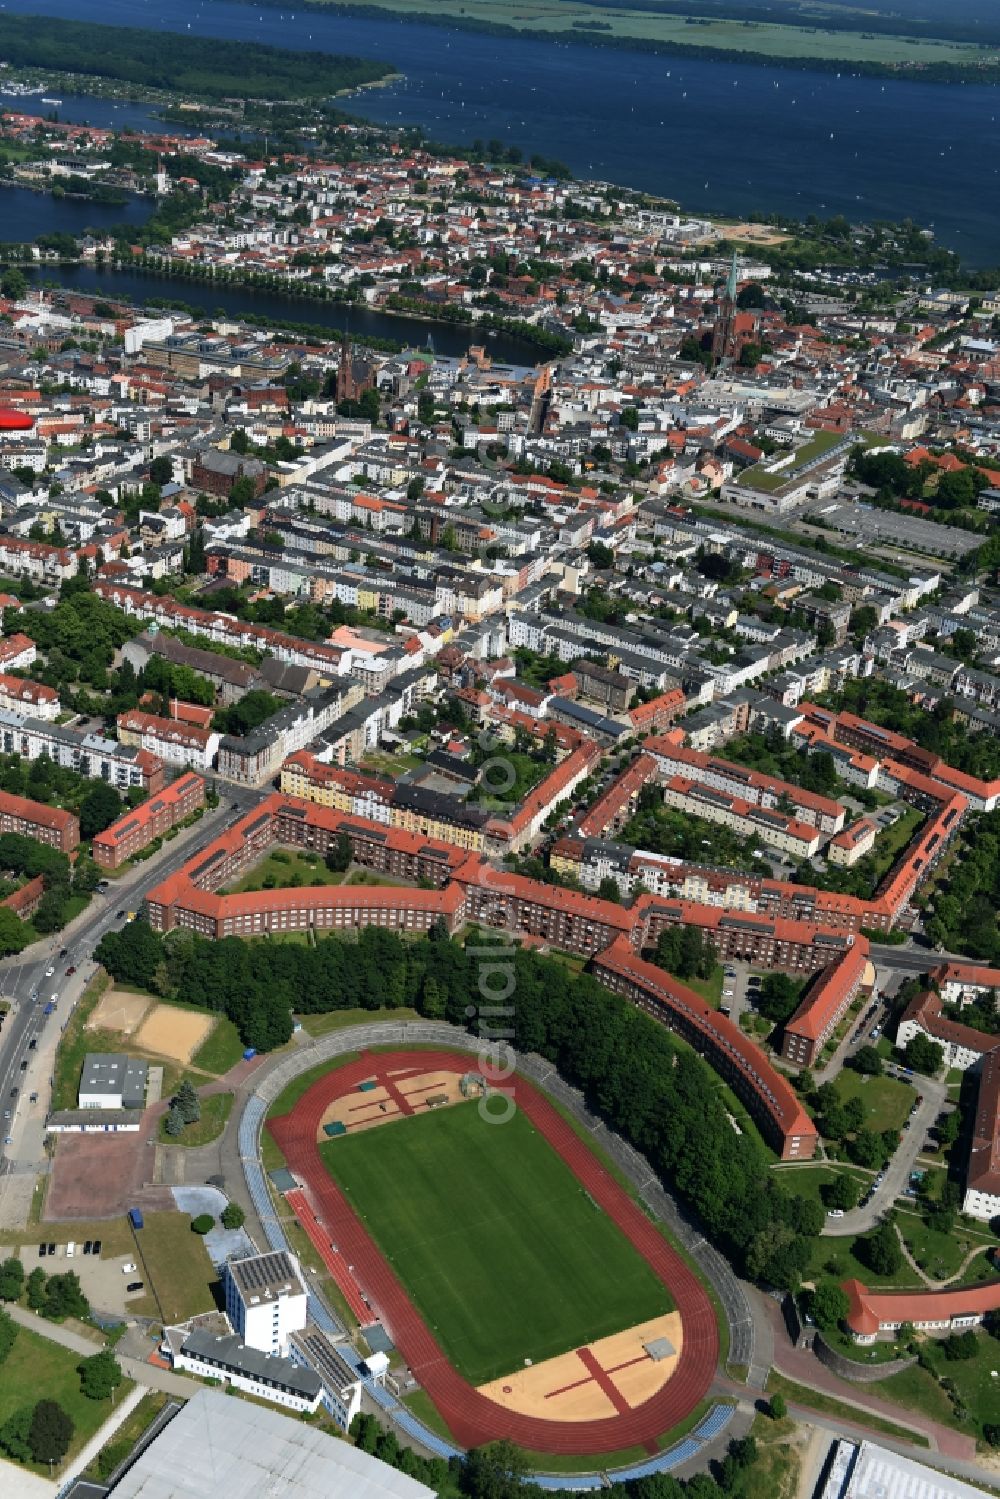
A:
[524,1288]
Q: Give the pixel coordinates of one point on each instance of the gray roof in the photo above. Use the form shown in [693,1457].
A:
[264,1277]
[220,1445]
[229,1353]
[113,1072]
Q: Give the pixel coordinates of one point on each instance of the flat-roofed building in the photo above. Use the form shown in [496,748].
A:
[112,1080]
[266,1300]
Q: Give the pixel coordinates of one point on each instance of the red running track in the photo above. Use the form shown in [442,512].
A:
[332,1258]
[473,1418]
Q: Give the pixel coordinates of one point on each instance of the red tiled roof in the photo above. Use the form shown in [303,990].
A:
[870,1310]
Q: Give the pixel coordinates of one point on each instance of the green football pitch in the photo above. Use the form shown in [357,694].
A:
[502,1251]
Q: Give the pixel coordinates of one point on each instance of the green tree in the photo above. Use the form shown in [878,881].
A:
[187,1103]
[960,1346]
[99,809]
[923,1055]
[11,1280]
[64,1297]
[100,1375]
[867,1061]
[50,1432]
[233,1216]
[36,1288]
[841,1193]
[14,284]
[867,1149]
[880,1250]
[8,1335]
[203,1224]
[779,996]
[777,1407]
[338,855]
[14,1435]
[828,1305]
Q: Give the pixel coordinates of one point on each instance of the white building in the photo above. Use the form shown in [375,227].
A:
[111,1080]
[266,1300]
[268,1376]
[219,1446]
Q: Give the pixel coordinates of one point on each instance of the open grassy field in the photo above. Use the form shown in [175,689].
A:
[777,41]
[215,1111]
[841,1410]
[338,1020]
[286,867]
[887,1102]
[36,1368]
[177,1266]
[501,1249]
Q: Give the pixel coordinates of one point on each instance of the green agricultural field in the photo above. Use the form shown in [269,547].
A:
[730,34]
[503,1252]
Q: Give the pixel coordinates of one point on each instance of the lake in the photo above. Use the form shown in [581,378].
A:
[362,322]
[25,214]
[92,109]
[718,136]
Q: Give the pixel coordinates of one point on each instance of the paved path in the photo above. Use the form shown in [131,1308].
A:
[860,1219]
[802,1366]
[143,1373]
[119,1414]
[930,1280]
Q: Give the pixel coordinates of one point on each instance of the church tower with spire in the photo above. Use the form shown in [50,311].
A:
[347,389]
[722,335]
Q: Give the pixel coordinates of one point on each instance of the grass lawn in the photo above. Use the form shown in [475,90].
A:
[37,1368]
[339,1020]
[221,1048]
[76,1041]
[710,989]
[504,1253]
[125,1438]
[975,1387]
[887,1102]
[827,1405]
[368,877]
[286,867]
[215,1111]
[775,1474]
[380,763]
[178,1269]
[809,1181]
[940,1255]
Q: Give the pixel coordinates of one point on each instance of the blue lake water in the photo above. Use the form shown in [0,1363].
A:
[140,288]
[719,136]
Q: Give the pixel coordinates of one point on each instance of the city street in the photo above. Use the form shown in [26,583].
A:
[24,976]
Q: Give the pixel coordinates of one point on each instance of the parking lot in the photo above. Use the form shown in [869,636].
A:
[104,1280]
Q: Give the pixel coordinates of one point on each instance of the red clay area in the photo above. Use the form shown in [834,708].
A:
[472,1417]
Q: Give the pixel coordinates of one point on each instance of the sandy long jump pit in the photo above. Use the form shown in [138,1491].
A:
[404,1092]
[174,1033]
[603,1379]
[118,1010]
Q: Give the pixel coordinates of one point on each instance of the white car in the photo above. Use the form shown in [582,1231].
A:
[835,1213]
[128,1268]
[50,970]
[727,993]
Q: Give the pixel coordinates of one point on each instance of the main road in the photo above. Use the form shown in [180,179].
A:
[27,985]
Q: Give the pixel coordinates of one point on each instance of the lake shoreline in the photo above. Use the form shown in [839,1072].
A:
[940,73]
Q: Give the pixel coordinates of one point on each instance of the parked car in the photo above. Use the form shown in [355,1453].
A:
[835,1213]
[135,1285]
[128,1268]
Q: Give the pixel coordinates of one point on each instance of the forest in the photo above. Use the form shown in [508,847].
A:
[188,65]
[649,1086]
[964,907]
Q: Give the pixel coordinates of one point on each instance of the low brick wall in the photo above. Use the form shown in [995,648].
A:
[858,1373]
